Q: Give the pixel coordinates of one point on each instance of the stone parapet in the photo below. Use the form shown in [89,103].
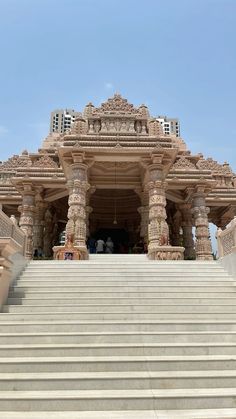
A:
[226,239]
[12,241]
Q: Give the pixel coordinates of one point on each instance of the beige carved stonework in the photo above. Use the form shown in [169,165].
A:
[78,186]
[146,185]
[200,214]
[27,211]
[187,227]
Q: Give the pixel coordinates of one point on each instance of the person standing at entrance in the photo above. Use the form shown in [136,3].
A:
[100,246]
[109,245]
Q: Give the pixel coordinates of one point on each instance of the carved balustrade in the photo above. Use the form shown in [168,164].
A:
[10,229]
[226,239]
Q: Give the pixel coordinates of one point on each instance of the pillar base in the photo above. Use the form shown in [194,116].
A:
[70,253]
[166,253]
[204,257]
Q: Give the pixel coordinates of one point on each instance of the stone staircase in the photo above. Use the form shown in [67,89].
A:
[119,337]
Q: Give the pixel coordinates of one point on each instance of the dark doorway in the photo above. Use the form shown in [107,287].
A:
[119,236]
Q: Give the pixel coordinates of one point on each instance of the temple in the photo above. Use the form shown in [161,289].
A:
[115,173]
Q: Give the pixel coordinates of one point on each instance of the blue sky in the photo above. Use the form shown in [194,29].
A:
[177,56]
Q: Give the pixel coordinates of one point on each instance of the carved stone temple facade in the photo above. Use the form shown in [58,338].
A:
[115,173]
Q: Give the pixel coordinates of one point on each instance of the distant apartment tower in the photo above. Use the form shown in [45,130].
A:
[169,125]
[62,119]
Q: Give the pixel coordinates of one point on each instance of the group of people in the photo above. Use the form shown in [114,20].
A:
[100,246]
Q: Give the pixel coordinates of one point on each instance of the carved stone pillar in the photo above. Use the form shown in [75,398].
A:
[38,229]
[27,210]
[144,213]
[89,210]
[187,226]
[48,233]
[200,215]
[176,224]
[76,224]
[158,232]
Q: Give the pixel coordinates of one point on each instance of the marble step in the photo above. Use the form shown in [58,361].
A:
[128,414]
[48,286]
[147,399]
[153,288]
[46,335]
[153,309]
[155,294]
[119,349]
[129,300]
[132,380]
[119,316]
[119,269]
[124,363]
[91,326]
[135,276]
[72,311]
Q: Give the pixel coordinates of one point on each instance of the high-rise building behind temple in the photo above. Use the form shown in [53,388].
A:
[171,126]
[62,119]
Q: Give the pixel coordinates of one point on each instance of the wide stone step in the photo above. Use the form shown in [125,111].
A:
[131,326]
[142,308]
[149,399]
[120,269]
[155,288]
[127,301]
[76,285]
[127,414]
[120,349]
[132,380]
[157,294]
[114,337]
[129,316]
[116,363]
[100,274]
[71,312]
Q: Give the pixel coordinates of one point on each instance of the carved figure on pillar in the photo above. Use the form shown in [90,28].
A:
[39,223]
[200,215]
[187,226]
[48,233]
[158,227]
[27,210]
[89,210]
[144,213]
[76,224]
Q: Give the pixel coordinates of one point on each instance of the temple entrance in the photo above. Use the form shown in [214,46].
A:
[115,214]
[120,238]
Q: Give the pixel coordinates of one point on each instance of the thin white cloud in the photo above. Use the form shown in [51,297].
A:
[3,130]
[109,85]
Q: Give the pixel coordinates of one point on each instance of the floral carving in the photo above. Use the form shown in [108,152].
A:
[14,162]
[116,105]
[214,166]
[45,161]
[184,163]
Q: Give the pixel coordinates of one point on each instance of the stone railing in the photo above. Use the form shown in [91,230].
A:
[226,239]
[9,229]
[12,253]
